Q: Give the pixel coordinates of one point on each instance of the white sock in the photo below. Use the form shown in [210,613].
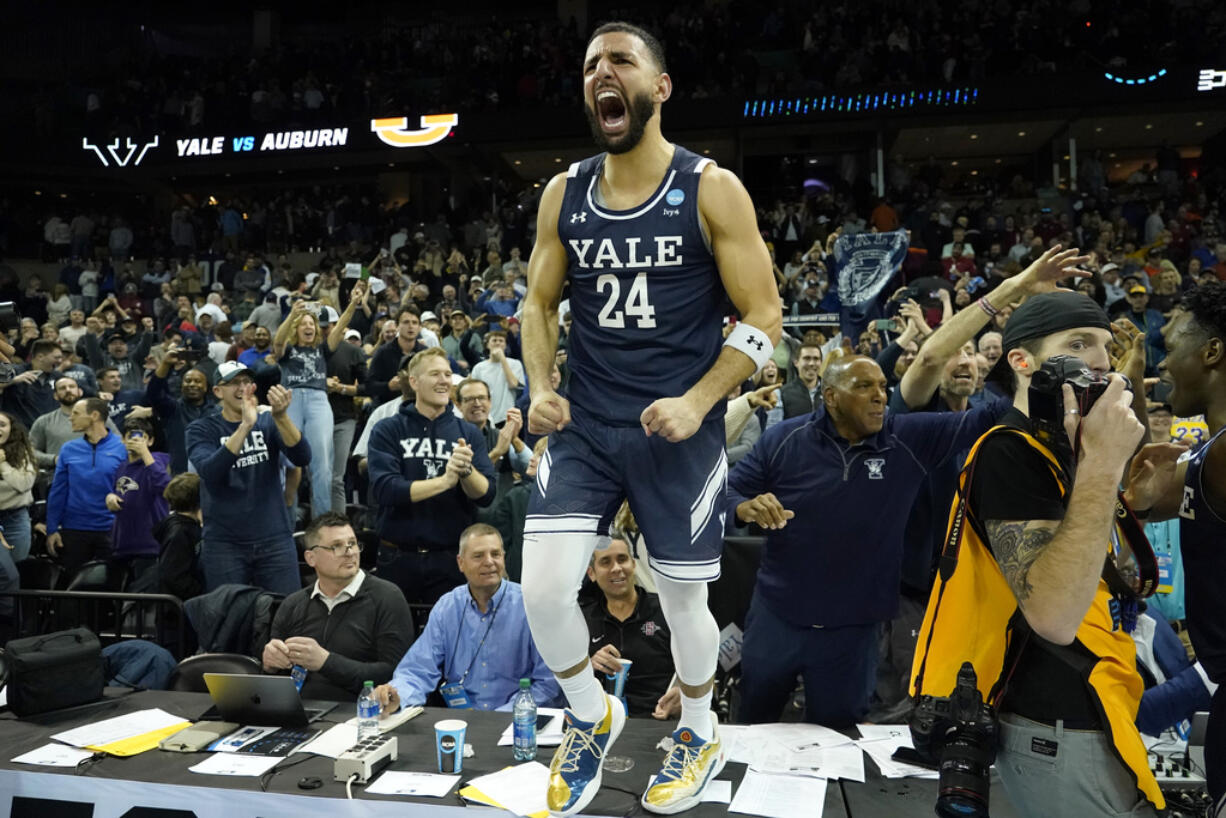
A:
[696,715]
[586,696]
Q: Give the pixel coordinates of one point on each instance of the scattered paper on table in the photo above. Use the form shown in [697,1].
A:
[520,789]
[550,736]
[119,728]
[422,785]
[54,755]
[795,749]
[779,796]
[880,741]
[236,764]
[734,737]
[335,740]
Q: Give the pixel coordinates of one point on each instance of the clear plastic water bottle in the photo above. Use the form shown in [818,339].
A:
[368,712]
[524,710]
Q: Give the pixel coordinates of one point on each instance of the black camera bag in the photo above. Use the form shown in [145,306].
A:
[52,671]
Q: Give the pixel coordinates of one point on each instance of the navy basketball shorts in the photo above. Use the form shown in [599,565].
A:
[676,491]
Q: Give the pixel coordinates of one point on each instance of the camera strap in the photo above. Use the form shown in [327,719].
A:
[1127,592]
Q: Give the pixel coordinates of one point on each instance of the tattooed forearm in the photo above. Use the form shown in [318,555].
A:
[1017,544]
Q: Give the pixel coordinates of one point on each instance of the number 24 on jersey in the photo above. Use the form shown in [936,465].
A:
[637,304]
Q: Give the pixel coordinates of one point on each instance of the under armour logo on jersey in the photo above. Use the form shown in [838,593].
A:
[579,217]
[875,466]
[753,339]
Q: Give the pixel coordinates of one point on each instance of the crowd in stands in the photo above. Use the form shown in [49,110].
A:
[714,51]
[184,401]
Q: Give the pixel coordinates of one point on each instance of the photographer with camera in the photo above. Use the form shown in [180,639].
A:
[176,414]
[1039,586]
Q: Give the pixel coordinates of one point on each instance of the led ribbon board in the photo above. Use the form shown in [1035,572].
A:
[393,131]
[835,104]
[434,128]
[1210,79]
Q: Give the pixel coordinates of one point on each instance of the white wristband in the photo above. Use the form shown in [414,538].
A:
[753,342]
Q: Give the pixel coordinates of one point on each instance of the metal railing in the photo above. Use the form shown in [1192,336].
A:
[114,616]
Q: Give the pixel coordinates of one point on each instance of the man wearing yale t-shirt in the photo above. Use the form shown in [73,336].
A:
[237,453]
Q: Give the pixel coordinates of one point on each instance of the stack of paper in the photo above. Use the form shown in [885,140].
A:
[54,755]
[779,796]
[421,785]
[881,740]
[125,735]
[519,789]
[236,764]
[550,736]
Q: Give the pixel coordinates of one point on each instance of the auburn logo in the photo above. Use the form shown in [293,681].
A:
[395,131]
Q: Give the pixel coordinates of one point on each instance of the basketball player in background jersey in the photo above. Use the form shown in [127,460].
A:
[1195,369]
[651,240]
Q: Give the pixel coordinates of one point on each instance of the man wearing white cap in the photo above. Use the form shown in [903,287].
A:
[237,453]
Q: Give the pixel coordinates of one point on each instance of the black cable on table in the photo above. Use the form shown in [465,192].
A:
[267,777]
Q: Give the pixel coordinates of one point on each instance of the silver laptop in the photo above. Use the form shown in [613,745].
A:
[269,701]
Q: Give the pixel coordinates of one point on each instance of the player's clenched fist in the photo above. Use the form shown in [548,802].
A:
[674,419]
[548,412]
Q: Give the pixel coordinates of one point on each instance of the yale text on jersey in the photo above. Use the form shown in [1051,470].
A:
[616,254]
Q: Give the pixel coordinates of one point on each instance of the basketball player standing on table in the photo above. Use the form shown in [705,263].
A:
[650,237]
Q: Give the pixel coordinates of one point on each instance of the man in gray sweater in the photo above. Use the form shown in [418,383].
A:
[54,429]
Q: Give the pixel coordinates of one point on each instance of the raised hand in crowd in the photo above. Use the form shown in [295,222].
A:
[278,398]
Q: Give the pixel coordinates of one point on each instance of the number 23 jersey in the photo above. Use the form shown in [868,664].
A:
[645,294]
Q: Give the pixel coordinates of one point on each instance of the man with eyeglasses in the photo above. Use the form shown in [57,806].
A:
[507,451]
[346,628]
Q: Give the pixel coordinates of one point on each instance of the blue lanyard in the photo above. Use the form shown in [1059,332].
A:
[460,630]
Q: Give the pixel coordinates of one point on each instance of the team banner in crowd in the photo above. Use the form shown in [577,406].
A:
[865,263]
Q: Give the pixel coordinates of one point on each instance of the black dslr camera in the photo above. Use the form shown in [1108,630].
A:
[959,733]
[1047,397]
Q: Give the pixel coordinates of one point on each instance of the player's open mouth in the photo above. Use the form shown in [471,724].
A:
[611,111]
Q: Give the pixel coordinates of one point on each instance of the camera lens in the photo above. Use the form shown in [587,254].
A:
[964,777]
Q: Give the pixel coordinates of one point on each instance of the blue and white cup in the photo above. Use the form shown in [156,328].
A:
[449,743]
[619,679]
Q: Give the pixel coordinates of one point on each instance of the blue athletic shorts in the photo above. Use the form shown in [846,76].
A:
[676,491]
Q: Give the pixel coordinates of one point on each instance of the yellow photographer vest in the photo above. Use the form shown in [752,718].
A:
[973,616]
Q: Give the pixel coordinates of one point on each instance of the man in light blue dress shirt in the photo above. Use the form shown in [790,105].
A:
[476,646]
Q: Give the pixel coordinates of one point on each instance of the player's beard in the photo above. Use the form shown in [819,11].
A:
[638,113]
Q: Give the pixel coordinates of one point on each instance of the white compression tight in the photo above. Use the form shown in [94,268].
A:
[695,636]
[553,570]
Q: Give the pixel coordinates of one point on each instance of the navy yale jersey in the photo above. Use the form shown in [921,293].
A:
[1202,535]
[645,295]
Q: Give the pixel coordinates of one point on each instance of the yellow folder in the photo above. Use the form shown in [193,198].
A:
[138,744]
